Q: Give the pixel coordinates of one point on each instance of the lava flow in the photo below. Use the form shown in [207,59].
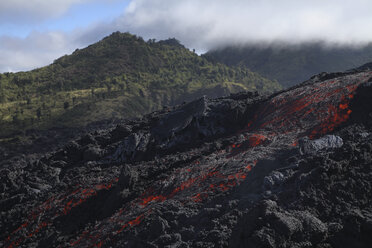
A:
[204,169]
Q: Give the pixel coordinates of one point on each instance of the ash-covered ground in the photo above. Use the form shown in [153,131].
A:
[288,170]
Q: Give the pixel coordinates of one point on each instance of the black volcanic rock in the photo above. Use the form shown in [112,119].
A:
[308,146]
[293,169]
[365,67]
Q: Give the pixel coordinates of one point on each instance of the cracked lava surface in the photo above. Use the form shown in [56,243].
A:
[206,167]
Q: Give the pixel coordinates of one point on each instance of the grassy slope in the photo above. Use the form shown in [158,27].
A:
[121,76]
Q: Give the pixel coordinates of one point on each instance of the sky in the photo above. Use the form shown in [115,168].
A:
[33,33]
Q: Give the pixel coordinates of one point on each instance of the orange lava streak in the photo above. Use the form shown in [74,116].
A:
[131,223]
[336,115]
[85,194]
[343,106]
[198,197]
[73,243]
[20,227]
[99,245]
[15,243]
[40,226]
[149,199]
[256,140]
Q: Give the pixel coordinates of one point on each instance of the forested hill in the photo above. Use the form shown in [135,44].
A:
[121,76]
[291,65]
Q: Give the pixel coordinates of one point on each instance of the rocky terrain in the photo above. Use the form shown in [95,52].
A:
[288,170]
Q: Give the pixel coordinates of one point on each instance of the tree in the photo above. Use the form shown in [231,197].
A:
[2,96]
[66,105]
[109,87]
[38,113]
[15,119]
[2,93]
[60,84]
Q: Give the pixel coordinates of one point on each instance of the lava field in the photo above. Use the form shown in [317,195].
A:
[288,170]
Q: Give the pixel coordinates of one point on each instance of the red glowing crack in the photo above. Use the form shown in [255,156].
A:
[46,209]
[131,223]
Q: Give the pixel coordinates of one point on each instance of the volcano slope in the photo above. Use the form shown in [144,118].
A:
[239,171]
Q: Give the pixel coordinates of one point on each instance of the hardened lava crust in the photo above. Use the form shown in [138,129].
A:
[288,170]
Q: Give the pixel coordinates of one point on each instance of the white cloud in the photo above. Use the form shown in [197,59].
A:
[25,11]
[204,24]
[42,48]
[37,49]
[18,11]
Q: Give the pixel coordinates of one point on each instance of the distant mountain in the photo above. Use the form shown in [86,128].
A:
[121,76]
[292,65]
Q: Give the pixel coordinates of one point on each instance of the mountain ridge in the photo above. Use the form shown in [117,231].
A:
[121,76]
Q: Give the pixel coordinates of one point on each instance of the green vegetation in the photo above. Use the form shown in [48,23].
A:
[293,65]
[121,76]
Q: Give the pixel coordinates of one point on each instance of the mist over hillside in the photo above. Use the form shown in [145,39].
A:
[292,64]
